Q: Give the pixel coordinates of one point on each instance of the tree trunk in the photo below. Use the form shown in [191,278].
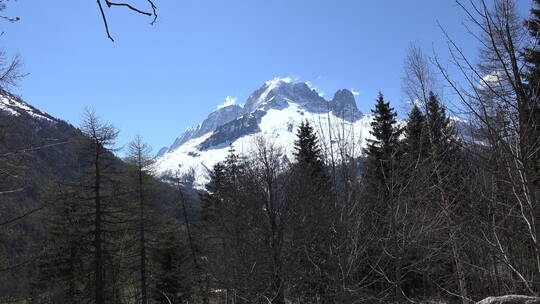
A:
[144,294]
[98,265]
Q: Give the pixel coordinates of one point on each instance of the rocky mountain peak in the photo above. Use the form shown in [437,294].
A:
[344,105]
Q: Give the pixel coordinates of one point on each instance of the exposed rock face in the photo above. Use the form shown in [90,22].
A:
[229,132]
[277,93]
[162,151]
[343,105]
[511,299]
[217,118]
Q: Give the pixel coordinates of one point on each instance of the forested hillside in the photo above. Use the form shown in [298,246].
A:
[62,189]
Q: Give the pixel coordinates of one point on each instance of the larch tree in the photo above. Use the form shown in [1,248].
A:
[97,146]
[140,158]
[499,95]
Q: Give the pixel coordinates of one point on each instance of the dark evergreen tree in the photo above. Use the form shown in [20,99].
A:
[384,130]
[415,137]
[63,253]
[449,198]
[382,150]
[382,182]
[173,270]
[440,131]
[232,218]
[307,152]
[311,199]
[212,199]
[215,232]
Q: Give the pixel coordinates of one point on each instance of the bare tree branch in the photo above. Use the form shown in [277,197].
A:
[128,6]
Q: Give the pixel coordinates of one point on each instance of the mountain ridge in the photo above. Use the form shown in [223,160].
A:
[273,94]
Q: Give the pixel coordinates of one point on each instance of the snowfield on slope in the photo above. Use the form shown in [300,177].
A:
[10,105]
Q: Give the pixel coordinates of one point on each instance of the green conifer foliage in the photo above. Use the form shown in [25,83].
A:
[382,149]
[307,152]
[414,142]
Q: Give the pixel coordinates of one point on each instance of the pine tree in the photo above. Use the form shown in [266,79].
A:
[440,130]
[414,142]
[310,197]
[382,182]
[215,230]
[448,198]
[232,164]
[384,130]
[307,152]
[212,199]
[227,220]
[61,262]
[383,148]
[429,148]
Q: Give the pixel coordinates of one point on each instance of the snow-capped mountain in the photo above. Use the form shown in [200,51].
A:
[274,111]
[48,145]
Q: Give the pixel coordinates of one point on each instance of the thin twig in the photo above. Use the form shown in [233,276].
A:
[104,20]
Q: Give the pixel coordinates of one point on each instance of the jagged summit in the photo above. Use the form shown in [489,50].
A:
[344,105]
[277,93]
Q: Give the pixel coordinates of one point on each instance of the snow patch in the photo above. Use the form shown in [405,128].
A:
[3,106]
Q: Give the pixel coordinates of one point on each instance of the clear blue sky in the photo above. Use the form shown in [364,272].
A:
[157,80]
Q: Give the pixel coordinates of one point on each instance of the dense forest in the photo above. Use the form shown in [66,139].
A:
[425,213]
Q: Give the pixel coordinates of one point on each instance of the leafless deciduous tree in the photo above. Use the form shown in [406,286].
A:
[139,156]
[10,68]
[419,78]
[97,149]
[503,105]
